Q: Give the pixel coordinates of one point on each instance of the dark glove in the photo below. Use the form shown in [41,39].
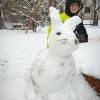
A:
[81,33]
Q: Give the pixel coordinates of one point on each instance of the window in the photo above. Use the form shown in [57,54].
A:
[87,10]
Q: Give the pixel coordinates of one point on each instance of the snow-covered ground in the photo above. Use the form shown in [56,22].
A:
[18,50]
[88,56]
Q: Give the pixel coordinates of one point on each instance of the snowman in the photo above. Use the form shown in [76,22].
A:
[53,74]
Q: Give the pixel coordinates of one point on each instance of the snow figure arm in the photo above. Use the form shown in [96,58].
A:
[29,91]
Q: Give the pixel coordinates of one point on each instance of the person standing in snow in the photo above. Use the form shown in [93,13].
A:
[34,26]
[72,8]
[28,25]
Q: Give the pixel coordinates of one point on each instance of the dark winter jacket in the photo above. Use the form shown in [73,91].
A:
[80,30]
[81,33]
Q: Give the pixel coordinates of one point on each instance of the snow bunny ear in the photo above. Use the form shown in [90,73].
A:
[55,17]
[72,22]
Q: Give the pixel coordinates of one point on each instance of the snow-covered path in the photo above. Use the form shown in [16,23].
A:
[16,54]
[17,51]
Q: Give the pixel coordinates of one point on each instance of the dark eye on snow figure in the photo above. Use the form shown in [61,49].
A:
[58,33]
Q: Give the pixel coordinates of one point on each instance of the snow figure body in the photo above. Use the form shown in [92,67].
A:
[53,75]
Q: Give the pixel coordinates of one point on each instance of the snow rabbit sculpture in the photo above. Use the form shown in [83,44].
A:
[53,74]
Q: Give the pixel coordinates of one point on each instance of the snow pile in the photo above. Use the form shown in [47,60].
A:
[53,75]
[17,51]
[94,35]
[88,58]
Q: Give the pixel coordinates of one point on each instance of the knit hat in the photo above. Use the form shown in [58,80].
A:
[67,7]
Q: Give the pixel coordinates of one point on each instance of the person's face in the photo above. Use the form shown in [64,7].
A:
[74,8]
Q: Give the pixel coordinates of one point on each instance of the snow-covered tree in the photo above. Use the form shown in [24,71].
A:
[1,14]
[96,11]
[35,9]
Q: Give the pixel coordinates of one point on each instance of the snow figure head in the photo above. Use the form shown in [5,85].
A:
[62,40]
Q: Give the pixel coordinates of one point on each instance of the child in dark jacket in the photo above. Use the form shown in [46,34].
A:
[72,8]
